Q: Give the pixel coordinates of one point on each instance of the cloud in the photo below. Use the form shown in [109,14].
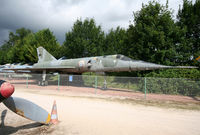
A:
[59,15]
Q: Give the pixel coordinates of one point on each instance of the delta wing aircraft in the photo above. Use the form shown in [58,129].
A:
[110,63]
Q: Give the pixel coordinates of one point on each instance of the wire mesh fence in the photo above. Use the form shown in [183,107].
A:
[170,86]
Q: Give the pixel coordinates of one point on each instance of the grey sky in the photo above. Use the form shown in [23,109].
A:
[59,15]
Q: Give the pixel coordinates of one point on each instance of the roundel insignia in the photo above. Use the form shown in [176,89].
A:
[81,63]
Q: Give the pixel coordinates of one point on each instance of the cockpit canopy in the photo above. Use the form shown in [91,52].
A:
[63,58]
[119,56]
[122,57]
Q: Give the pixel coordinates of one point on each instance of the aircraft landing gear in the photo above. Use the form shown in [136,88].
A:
[43,82]
[104,84]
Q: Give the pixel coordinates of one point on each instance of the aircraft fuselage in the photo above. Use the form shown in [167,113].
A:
[110,63]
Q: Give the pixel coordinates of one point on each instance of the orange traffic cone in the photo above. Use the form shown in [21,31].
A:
[54,116]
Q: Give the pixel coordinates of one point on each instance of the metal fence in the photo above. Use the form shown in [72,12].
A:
[171,86]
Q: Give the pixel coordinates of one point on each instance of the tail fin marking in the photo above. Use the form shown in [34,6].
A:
[43,55]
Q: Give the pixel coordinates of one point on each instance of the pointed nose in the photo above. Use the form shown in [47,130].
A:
[6,89]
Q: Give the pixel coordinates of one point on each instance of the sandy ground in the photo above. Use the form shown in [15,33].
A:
[91,115]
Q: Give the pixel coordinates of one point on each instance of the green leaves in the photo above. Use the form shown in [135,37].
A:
[85,39]
[152,33]
[21,46]
[189,19]
[115,42]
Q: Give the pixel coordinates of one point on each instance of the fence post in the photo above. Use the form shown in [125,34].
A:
[27,81]
[128,83]
[4,76]
[67,79]
[145,87]
[58,81]
[96,83]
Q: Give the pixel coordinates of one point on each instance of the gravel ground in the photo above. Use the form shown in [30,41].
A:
[86,113]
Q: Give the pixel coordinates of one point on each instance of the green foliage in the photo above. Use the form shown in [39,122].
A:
[154,35]
[175,73]
[173,81]
[21,46]
[46,39]
[4,53]
[115,41]
[189,19]
[85,39]
[16,53]
[174,86]
[89,79]
[113,82]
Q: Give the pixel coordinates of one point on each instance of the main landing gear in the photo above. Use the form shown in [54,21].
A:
[43,82]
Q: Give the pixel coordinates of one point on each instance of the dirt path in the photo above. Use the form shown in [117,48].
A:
[94,116]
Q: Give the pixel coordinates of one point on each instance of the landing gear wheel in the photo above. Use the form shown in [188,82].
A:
[43,83]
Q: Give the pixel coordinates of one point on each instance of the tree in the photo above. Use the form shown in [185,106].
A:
[44,38]
[3,53]
[16,53]
[115,41]
[153,36]
[21,46]
[189,19]
[85,39]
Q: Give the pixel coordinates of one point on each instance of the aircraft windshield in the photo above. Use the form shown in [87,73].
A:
[122,57]
[63,58]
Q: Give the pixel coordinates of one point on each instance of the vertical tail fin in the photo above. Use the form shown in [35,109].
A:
[43,55]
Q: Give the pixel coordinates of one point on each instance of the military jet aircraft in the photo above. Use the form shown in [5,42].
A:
[22,106]
[110,63]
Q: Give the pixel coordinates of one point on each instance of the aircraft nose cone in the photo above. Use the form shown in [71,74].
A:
[6,89]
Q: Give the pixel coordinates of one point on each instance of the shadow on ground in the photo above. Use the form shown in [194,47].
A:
[7,130]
